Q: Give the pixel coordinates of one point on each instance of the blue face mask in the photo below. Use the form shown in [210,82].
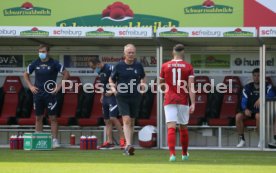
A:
[42,55]
[97,70]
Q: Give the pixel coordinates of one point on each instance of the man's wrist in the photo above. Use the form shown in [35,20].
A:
[31,85]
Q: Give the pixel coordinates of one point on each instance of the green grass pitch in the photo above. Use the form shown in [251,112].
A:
[145,161]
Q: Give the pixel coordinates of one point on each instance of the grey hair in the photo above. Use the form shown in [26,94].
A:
[129,45]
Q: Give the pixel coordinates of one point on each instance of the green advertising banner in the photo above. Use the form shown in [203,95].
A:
[124,13]
[28,59]
[210,13]
[211,61]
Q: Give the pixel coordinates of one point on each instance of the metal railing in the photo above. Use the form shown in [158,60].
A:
[270,112]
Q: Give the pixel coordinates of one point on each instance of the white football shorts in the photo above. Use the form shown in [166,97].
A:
[177,113]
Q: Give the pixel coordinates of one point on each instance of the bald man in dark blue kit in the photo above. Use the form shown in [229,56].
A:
[129,73]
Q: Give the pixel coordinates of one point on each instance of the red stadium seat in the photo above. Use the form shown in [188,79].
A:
[96,112]
[200,101]
[27,116]
[13,96]
[148,112]
[27,121]
[249,122]
[153,115]
[200,81]
[199,114]
[228,111]
[230,103]
[236,83]
[70,103]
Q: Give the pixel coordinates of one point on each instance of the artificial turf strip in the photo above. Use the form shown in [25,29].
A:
[145,161]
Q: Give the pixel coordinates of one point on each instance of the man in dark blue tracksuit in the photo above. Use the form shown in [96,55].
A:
[45,88]
[250,104]
[109,104]
[125,80]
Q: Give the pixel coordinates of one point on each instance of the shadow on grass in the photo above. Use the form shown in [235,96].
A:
[256,158]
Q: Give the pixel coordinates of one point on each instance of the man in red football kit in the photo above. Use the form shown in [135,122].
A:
[179,78]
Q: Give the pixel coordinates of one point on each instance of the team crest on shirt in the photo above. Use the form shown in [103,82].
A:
[129,68]
[135,71]
[49,68]
[43,66]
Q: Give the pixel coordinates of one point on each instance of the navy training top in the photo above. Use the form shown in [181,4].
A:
[44,71]
[123,74]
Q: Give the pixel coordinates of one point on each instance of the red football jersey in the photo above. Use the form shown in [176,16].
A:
[175,73]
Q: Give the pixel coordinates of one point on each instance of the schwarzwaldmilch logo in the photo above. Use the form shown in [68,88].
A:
[238,33]
[208,6]
[118,14]
[27,9]
[34,32]
[173,33]
[100,32]
[117,11]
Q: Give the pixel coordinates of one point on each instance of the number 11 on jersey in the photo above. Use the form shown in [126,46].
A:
[176,75]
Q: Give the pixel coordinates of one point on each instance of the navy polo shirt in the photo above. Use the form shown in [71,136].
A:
[124,73]
[44,71]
